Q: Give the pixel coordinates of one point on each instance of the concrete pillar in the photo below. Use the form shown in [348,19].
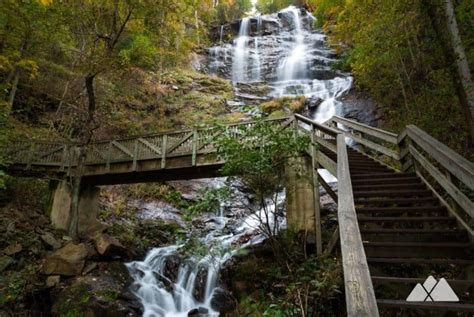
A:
[61,211]
[300,199]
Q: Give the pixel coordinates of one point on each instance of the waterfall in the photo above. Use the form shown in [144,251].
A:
[241,52]
[221,34]
[294,65]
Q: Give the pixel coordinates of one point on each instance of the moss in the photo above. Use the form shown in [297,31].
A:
[293,104]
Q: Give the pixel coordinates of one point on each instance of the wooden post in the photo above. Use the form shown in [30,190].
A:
[195,139]
[135,155]
[163,150]
[317,208]
[109,156]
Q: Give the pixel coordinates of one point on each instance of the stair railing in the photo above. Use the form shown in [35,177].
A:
[376,142]
[360,296]
[449,175]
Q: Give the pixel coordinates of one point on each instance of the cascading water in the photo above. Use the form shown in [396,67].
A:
[292,57]
[195,285]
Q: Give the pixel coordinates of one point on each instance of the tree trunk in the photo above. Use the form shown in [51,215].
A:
[11,97]
[90,95]
[466,87]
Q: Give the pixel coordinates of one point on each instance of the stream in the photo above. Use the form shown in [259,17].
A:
[284,51]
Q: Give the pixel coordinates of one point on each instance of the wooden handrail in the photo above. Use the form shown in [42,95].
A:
[377,133]
[318,126]
[360,296]
[446,157]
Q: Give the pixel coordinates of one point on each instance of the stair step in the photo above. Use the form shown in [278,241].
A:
[410,280]
[401,210]
[397,201]
[381,175]
[409,219]
[388,186]
[417,249]
[414,235]
[394,193]
[437,261]
[394,180]
[432,306]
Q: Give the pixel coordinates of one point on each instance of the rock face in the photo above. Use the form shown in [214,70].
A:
[109,246]
[68,260]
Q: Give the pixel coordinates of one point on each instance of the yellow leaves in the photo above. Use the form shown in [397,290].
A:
[28,66]
[45,2]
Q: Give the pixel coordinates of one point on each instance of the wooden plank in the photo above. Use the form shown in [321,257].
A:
[59,148]
[360,297]
[328,188]
[325,143]
[318,126]
[333,241]
[374,146]
[150,146]
[135,155]
[378,133]
[122,148]
[464,202]
[194,144]
[109,156]
[326,162]
[452,212]
[449,159]
[179,142]
[317,207]
[163,150]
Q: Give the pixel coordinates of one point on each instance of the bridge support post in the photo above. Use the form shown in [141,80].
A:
[300,198]
[62,213]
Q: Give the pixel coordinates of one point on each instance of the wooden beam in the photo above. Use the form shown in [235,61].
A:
[360,296]
[179,142]
[449,159]
[325,162]
[374,146]
[318,126]
[328,188]
[333,241]
[464,202]
[150,146]
[122,148]
[317,207]
[163,150]
[377,133]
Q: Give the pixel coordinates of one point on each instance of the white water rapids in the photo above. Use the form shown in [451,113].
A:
[294,60]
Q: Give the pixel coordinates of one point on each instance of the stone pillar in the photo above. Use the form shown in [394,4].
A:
[61,211]
[300,199]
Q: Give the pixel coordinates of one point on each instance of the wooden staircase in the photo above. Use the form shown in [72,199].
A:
[407,236]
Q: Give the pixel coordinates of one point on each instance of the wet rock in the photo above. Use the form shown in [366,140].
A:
[50,240]
[13,249]
[193,312]
[53,280]
[223,301]
[94,296]
[68,260]
[109,246]
[89,268]
[358,106]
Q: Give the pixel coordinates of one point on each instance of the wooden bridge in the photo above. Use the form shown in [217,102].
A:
[405,208]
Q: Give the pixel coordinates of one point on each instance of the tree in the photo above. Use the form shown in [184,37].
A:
[259,154]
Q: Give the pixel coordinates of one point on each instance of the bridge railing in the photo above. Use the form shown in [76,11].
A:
[162,146]
[328,150]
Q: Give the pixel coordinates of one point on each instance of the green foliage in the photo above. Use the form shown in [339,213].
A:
[396,54]
[209,200]
[230,10]
[271,6]
[258,154]
[303,285]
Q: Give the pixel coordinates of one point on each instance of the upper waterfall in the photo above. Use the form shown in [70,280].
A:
[289,54]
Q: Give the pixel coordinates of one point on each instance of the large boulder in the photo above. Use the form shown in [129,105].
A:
[223,301]
[68,260]
[109,246]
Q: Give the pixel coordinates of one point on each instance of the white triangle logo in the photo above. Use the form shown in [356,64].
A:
[433,291]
